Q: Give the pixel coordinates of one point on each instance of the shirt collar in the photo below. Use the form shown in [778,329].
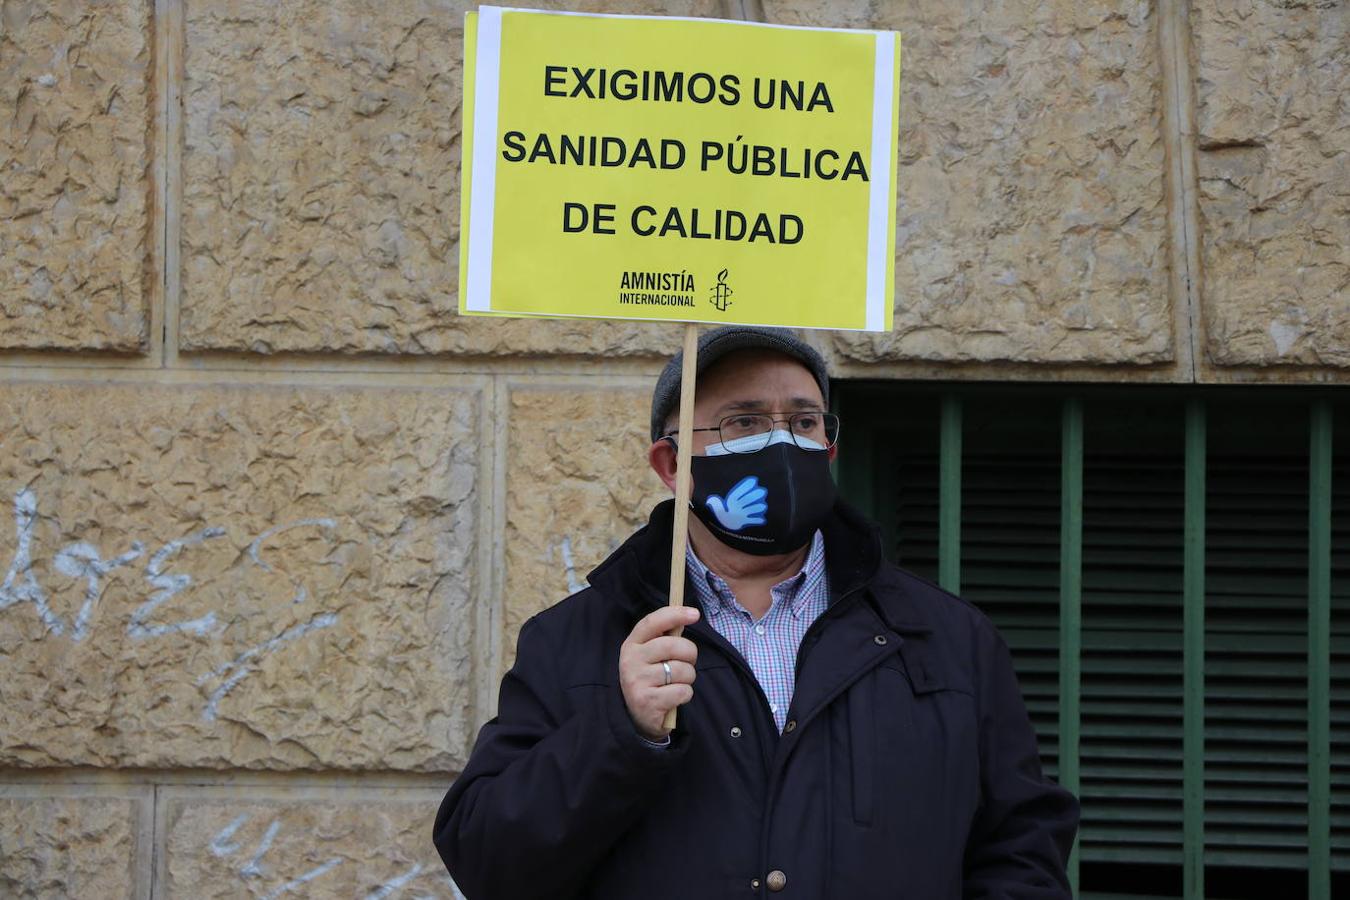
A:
[795,590]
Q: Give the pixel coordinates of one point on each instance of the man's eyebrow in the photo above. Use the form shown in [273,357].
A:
[807,403]
[748,405]
[796,403]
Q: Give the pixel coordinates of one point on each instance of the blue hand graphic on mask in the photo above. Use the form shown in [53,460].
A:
[744,504]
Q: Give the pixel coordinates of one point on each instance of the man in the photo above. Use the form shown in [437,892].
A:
[845,729]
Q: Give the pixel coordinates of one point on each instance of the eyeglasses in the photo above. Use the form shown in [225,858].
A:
[751,432]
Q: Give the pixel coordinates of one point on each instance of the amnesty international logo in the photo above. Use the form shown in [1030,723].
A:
[721,293]
[656,288]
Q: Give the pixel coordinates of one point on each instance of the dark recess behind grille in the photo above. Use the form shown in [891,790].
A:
[1256,587]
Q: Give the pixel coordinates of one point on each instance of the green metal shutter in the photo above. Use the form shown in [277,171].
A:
[998,449]
[1340,641]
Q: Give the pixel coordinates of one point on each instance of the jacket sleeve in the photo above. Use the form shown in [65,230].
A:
[549,787]
[1020,840]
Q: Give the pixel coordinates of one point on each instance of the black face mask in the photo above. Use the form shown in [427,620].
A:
[766,503]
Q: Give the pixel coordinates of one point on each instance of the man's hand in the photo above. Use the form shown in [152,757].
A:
[643,678]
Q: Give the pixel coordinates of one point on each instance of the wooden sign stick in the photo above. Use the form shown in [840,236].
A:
[678,538]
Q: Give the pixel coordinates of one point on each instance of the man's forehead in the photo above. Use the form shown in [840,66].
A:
[758,379]
[757,361]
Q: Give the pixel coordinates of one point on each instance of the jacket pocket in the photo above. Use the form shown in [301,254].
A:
[863,749]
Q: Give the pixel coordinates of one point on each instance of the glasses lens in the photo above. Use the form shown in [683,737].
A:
[746,433]
[821,429]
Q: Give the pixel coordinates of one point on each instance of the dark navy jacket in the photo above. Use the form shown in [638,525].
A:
[908,768]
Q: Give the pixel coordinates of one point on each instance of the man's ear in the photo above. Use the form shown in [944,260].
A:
[661,457]
[834,451]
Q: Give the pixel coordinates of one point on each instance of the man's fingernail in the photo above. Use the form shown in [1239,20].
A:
[690,613]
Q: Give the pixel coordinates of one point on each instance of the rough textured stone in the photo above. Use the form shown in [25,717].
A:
[321,184]
[579,485]
[75,188]
[1273,135]
[1031,219]
[335,847]
[245,577]
[67,847]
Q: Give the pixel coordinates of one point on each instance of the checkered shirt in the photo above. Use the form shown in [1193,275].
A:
[770,644]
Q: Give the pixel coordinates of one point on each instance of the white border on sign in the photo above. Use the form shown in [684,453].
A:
[478,278]
[483,189]
[879,203]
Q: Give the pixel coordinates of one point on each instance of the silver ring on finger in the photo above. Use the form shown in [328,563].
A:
[665,667]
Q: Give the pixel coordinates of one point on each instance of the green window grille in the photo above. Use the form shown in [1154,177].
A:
[1171,568]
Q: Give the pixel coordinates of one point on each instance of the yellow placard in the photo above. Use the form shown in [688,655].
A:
[695,170]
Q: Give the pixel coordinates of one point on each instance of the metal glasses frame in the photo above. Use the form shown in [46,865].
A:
[791,417]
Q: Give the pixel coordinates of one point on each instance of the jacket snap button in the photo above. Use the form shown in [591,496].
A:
[754,884]
[735,731]
[791,724]
[880,640]
[776,880]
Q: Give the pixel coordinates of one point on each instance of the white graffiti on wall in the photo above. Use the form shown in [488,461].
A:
[569,566]
[21,586]
[223,845]
[242,665]
[394,885]
[220,844]
[82,560]
[169,585]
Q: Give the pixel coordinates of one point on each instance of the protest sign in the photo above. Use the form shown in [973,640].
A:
[631,167]
[692,170]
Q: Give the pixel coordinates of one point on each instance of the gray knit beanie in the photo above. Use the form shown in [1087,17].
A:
[715,344]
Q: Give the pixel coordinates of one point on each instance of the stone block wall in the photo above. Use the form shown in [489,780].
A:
[274,513]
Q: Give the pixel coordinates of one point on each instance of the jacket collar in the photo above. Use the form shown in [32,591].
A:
[638,572]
